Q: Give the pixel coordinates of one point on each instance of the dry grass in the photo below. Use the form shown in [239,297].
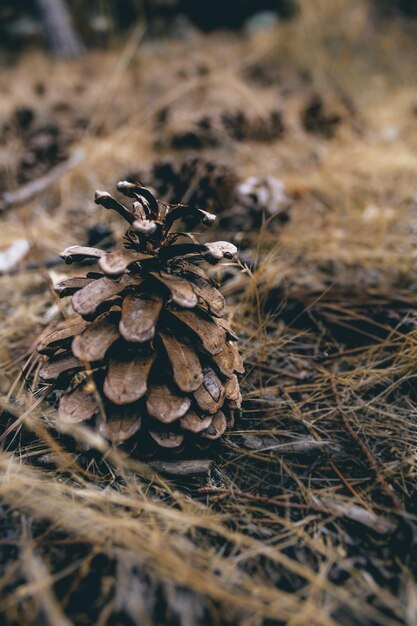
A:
[308,514]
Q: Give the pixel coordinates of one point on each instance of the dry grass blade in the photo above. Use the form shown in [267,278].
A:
[39,579]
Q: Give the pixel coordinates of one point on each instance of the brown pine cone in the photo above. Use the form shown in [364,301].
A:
[241,205]
[149,355]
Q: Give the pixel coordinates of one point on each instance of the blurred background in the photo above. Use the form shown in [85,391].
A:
[101,23]
[195,98]
[66,27]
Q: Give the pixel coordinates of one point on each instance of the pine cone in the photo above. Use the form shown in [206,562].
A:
[195,181]
[241,205]
[149,354]
[260,197]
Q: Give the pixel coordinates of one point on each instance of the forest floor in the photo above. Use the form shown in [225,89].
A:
[308,513]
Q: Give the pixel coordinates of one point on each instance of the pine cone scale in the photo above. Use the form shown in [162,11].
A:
[69,286]
[77,254]
[195,424]
[77,406]
[127,379]
[210,395]
[211,336]
[60,338]
[87,299]
[140,313]
[211,296]
[65,364]
[167,439]
[185,363]
[121,424]
[116,262]
[165,405]
[97,338]
[182,291]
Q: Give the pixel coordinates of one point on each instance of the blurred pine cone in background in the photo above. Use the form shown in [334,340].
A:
[149,354]
[241,205]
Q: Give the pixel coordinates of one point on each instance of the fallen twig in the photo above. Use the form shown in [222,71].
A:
[357,514]
[306,445]
[323,505]
[11,257]
[27,192]
[183,468]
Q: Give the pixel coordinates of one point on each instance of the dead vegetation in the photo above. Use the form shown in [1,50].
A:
[306,512]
